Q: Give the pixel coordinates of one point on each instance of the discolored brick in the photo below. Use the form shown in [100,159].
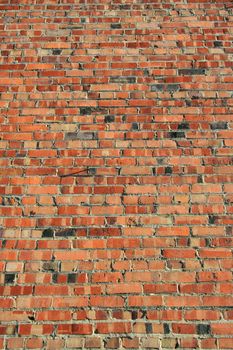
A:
[116,174]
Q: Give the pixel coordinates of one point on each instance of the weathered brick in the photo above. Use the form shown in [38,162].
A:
[115,25]
[157,87]
[123,80]
[9,278]
[116,175]
[109,118]
[80,136]
[150,343]
[203,329]
[219,125]
[192,71]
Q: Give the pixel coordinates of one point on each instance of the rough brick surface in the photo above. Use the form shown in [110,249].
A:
[116,174]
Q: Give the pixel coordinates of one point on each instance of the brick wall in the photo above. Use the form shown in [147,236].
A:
[116,174]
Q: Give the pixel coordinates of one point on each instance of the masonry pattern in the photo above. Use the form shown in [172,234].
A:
[116,174]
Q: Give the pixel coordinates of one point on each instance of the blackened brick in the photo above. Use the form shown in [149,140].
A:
[71,278]
[176,134]
[183,126]
[218,125]
[48,232]
[9,278]
[157,87]
[135,126]
[109,118]
[192,71]
[168,170]
[173,87]
[85,110]
[115,25]
[80,136]
[123,80]
[57,52]
[149,328]
[69,232]
[166,328]
[203,329]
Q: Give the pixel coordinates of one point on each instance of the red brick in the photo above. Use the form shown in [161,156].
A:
[182,328]
[91,343]
[145,301]
[222,328]
[55,344]
[119,327]
[116,174]
[130,343]
[74,329]
[34,343]
[51,290]
[15,343]
[107,301]
[112,343]
[53,316]
[225,343]
[27,329]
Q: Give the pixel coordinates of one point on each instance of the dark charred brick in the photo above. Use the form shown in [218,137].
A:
[134,315]
[48,232]
[192,71]
[92,171]
[115,25]
[203,329]
[80,136]
[124,7]
[71,278]
[200,179]
[176,134]
[218,125]
[85,110]
[109,118]
[50,266]
[57,51]
[135,126]
[183,126]
[9,278]
[149,328]
[217,43]
[212,219]
[168,170]
[173,87]
[157,87]
[166,328]
[123,80]
[69,232]
[54,277]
